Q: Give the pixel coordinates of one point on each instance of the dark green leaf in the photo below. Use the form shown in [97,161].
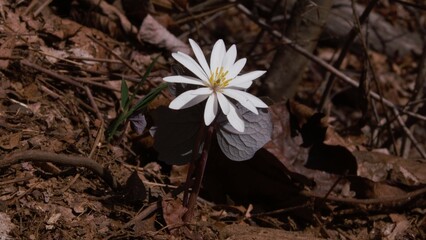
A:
[124,95]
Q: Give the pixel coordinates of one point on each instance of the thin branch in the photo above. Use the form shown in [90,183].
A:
[93,103]
[125,62]
[52,74]
[319,61]
[278,211]
[374,75]
[394,200]
[407,131]
[202,14]
[68,80]
[76,161]
[43,5]
[262,32]
[417,97]
[345,49]
[414,5]
[143,214]
[15,180]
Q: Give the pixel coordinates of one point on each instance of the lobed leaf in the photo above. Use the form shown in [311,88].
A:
[242,146]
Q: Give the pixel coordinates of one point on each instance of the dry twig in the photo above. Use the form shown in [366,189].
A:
[389,201]
[345,49]
[321,62]
[129,65]
[77,161]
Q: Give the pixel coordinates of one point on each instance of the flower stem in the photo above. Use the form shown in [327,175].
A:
[190,175]
[199,168]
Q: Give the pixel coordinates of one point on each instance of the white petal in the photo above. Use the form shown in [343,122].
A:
[196,100]
[184,79]
[257,102]
[189,98]
[246,78]
[242,86]
[241,98]
[245,85]
[236,68]
[211,110]
[234,119]
[223,103]
[190,64]
[218,52]
[200,56]
[253,99]
[229,58]
[202,91]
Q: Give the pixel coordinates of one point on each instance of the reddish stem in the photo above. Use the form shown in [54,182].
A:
[193,164]
[199,173]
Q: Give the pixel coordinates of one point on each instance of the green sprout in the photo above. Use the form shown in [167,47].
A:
[125,103]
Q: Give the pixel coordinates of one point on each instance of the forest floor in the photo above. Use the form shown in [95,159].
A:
[62,69]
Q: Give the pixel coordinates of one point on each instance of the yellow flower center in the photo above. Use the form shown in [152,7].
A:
[218,79]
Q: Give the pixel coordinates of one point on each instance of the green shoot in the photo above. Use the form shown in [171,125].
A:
[125,103]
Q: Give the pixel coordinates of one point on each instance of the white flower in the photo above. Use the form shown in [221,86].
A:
[218,81]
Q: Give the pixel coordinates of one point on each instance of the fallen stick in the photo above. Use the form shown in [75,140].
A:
[76,161]
[339,74]
[388,201]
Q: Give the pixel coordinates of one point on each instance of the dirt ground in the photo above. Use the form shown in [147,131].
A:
[355,172]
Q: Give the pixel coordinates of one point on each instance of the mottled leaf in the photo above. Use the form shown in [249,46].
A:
[242,146]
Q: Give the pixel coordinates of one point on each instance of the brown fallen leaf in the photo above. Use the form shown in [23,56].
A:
[10,141]
[283,145]
[31,92]
[108,18]
[327,150]
[147,225]
[367,189]
[6,50]
[154,33]
[401,226]
[382,167]
[6,226]
[60,28]
[173,211]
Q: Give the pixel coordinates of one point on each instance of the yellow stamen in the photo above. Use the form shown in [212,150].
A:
[218,79]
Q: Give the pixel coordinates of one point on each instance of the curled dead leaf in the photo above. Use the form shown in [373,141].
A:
[173,211]
[153,32]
